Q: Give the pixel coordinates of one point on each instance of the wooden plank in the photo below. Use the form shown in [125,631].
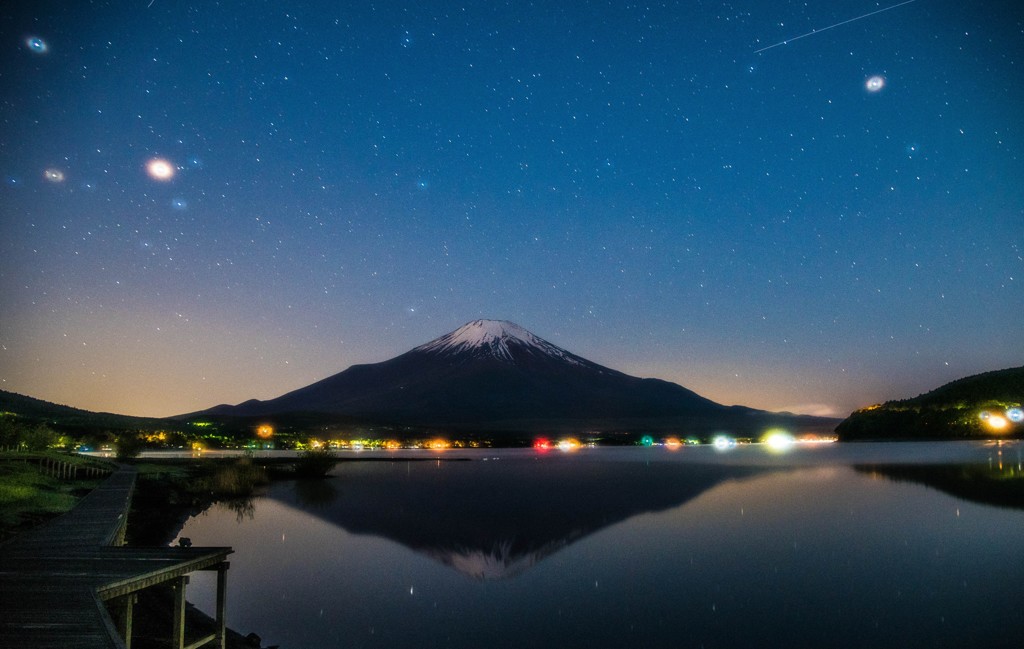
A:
[54,580]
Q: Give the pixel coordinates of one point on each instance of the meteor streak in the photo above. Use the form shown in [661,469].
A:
[823,29]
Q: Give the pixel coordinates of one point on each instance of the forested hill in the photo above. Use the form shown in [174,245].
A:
[31,410]
[963,409]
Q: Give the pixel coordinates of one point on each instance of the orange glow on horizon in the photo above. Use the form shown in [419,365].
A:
[265,431]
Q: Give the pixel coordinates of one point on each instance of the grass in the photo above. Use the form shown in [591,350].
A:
[29,497]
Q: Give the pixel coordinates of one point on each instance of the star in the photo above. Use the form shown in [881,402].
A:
[160,169]
[36,44]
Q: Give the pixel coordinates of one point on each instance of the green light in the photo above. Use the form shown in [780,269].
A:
[647,440]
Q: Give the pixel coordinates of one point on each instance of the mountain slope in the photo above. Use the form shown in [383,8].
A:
[484,374]
[950,411]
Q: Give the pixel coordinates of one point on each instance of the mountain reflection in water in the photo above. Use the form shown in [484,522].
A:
[1001,485]
[469,517]
[630,548]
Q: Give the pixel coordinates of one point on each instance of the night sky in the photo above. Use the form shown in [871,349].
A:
[207,202]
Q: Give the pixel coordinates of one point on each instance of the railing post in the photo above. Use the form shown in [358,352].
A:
[128,602]
[222,598]
[178,623]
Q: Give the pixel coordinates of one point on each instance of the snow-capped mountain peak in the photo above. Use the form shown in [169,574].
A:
[495,337]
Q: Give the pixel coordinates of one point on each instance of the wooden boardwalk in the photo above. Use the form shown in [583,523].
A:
[57,582]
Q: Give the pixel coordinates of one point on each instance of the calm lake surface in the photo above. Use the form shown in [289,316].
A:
[865,545]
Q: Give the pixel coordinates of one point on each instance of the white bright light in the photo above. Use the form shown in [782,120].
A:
[723,442]
[160,169]
[875,83]
[36,44]
[779,441]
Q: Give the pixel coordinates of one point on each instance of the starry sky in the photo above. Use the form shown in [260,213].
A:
[808,206]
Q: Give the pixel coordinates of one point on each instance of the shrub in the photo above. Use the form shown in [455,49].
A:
[315,463]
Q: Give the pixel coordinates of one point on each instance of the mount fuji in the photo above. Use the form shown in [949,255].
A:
[493,375]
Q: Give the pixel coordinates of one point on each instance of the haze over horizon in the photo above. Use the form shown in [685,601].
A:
[770,204]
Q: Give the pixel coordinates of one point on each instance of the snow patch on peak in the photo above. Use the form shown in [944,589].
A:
[493,336]
[482,332]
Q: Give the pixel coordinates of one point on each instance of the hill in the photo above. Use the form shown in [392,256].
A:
[31,410]
[963,409]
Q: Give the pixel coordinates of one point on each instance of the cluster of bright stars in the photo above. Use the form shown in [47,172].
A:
[159,169]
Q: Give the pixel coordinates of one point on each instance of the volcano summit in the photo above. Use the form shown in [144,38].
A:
[493,375]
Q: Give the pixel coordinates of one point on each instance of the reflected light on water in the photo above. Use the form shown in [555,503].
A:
[491,544]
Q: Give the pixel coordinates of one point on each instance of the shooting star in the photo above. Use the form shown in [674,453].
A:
[825,29]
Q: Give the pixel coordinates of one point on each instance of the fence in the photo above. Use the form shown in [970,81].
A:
[63,470]
[55,467]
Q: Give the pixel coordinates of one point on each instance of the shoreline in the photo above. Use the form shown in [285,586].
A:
[164,499]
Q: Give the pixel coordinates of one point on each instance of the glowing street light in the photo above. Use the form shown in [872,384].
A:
[723,443]
[570,444]
[779,440]
[997,423]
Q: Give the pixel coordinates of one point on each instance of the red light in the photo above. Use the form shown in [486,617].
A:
[541,444]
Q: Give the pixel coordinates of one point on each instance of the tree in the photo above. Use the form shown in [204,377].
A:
[10,433]
[129,445]
[37,438]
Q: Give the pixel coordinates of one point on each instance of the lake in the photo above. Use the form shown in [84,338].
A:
[831,545]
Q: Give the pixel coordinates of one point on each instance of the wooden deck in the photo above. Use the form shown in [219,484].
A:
[56,582]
